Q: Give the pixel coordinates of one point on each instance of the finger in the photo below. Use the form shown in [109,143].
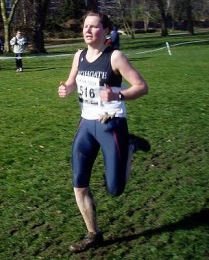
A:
[62,83]
[61,88]
[107,86]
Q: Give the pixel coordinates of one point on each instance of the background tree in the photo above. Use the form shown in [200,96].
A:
[37,19]
[26,15]
[145,11]
[126,16]
[92,5]
[39,13]
[189,17]
[7,19]
[163,16]
[201,10]
[120,12]
[148,13]
[66,18]
[182,13]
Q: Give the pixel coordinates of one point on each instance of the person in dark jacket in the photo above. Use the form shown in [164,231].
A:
[115,38]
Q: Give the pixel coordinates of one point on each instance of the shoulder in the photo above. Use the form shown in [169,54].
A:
[78,54]
[77,58]
[117,55]
[119,60]
[12,41]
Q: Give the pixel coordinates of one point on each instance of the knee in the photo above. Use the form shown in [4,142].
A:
[116,191]
[81,192]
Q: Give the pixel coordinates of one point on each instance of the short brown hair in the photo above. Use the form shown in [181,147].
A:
[104,19]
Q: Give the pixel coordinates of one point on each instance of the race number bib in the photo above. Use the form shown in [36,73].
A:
[88,89]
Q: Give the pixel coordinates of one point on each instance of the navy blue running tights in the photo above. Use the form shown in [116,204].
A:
[112,137]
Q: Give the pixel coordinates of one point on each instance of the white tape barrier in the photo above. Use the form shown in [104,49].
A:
[168,47]
[38,56]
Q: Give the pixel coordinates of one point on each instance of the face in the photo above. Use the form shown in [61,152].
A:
[93,32]
[19,34]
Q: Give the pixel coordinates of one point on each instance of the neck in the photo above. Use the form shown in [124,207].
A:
[96,50]
[93,53]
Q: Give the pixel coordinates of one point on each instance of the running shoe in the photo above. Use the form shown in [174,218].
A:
[89,241]
[138,143]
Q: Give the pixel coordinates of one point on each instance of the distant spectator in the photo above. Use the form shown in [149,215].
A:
[115,38]
[19,44]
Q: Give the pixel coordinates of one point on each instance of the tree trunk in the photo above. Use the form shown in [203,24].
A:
[189,18]
[40,12]
[163,22]
[125,22]
[7,37]
[38,41]
[7,22]
[146,22]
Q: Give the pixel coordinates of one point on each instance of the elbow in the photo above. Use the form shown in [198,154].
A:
[145,89]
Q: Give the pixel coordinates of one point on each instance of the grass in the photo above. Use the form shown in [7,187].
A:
[164,212]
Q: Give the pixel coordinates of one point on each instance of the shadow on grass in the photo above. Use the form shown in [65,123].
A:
[137,58]
[139,46]
[43,68]
[189,222]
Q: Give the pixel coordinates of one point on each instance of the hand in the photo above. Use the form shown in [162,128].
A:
[107,94]
[62,90]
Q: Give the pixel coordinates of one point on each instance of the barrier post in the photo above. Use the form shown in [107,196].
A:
[168,48]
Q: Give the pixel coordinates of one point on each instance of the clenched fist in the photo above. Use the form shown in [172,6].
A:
[62,90]
[107,94]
